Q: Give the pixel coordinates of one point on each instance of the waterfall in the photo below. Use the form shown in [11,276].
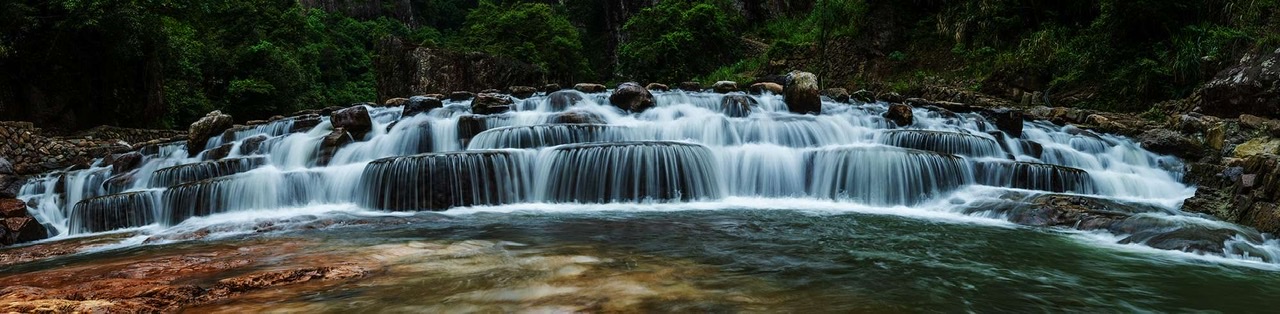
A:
[571,147]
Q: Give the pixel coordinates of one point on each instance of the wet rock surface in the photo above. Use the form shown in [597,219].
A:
[211,124]
[631,97]
[801,93]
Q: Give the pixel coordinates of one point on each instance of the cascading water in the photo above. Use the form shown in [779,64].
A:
[570,147]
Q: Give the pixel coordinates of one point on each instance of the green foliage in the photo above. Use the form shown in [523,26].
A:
[532,32]
[742,71]
[676,40]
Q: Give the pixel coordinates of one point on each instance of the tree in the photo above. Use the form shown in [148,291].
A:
[531,32]
[677,40]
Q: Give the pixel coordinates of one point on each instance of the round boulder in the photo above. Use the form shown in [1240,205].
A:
[863,96]
[657,87]
[762,87]
[420,104]
[630,96]
[564,99]
[900,114]
[491,103]
[801,93]
[395,102]
[211,124]
[354,120]
[522,92]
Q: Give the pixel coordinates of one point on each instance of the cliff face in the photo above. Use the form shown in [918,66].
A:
[404,70]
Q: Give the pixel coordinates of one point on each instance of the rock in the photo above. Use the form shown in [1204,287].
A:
[5,166]
[1258,146]
[461,95]
[304,123]
[863,96]
[561,100]
[1169,142]
[891,97]
[590,88]
[1269,126]
[738,105]
[657,87]
[522,92]
[900,114]
[1007,120]
[801,93]
[1252,86]
[250,145]
[491,103]
[436,96]
[550,88]
[691,86]
[762,87]
[837,94]
[354,120]
[395,102]
[211,124]
[420,104]
[631,97]
[122,163]
[330,145]
[9,185]
[12,208]
[220,152]
[469,126]
[725,87]
[576,117]
[23,230]
[490,91]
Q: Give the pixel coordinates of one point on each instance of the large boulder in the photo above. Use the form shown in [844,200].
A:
[725,87]
[590,88]
[762,87]
[22,230]
[461,95]
[550,88]
[737,105]
[631,97]
[420,104]
[354,120]
[491,103]
[801,93]
[121,163]
[863,96]
[211,124]
[395,102]
[1007,120]
[1252,86]
[837,94]
[330,145]
[12,208]
[1258,146]
[522,92]
[1169,142]
[900,114]
[250,145]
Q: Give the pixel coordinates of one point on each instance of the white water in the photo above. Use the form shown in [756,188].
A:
[849,158]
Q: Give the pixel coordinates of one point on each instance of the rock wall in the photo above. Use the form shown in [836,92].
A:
[404,70]
[31,152]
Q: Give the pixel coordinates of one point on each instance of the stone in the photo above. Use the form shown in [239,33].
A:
[395,102]
[657,87]
[491,103]
[1258,146]
[863,96]
[122,163]
[590,88]
[12,208]
[550,88]
[330,145]
[900,114]
[631,97]
[250,145]
[461,96]
[725,87]
[436,96]
[737,105]
[490,91]
[1251,86]
[1169,142]
[213,123]
[762,87]
[304,123]
[522,92]
[801,93]
[561,100]
[891,97]
[23,230]
[354,120]
[837,94]
[691,86]
[1268,126]
[9,185]
[5,166]
[220,152]
[420,104]
[576,117]
[1007,120]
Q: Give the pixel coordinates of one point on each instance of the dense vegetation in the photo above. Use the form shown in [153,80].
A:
[112,61]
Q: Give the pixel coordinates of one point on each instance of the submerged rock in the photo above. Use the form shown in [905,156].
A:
[631,97]
[1007,120]
[801,94]
[737,106]
[200,131]
[577,117]
[561,100]
[329,146]
[863,96]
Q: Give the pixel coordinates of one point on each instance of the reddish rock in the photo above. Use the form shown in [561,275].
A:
[12,208]
[900,114]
